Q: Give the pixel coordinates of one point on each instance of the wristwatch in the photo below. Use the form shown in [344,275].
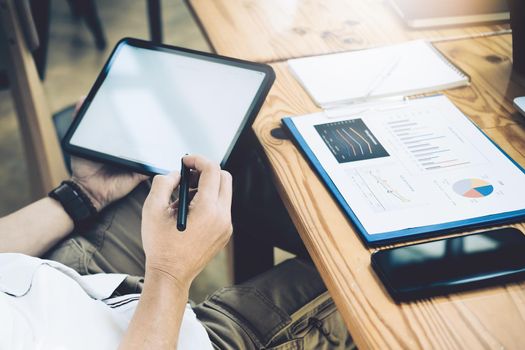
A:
[75,202]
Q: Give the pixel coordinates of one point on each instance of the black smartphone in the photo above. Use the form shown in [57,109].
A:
[452,264]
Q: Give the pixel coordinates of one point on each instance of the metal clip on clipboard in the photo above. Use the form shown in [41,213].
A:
[363,107]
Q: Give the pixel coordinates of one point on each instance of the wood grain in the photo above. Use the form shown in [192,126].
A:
[43,153]
[486,318]
[489,64]
[273,30]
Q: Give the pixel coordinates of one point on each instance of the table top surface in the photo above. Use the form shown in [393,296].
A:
[272,30]
[294,28]
[491,317]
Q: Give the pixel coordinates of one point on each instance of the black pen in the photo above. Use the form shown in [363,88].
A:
[184,189]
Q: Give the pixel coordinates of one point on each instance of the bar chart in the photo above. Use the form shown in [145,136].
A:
[430,147]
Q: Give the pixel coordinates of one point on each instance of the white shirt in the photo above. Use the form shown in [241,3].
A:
[46,305]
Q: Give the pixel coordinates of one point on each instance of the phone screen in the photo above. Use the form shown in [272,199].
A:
[448,265]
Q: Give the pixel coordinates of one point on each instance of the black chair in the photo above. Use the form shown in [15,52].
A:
[38,39]
[81,9]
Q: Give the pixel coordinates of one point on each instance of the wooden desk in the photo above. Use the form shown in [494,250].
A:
[273,30]
[487,318]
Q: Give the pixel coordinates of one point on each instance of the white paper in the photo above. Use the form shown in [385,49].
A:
[420,165]
[403,69]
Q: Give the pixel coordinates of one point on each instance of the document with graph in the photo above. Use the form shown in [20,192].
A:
[411,169]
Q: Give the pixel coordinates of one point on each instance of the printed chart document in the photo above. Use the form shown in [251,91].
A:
[409,68]
[415,168]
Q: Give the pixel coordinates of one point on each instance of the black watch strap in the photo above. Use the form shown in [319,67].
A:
[75,202]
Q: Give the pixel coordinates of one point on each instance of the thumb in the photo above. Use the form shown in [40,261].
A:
[162,189]
[140,177]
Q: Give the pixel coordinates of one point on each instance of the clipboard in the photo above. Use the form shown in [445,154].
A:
[303,132]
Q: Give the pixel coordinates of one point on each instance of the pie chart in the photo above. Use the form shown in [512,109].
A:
[473,188]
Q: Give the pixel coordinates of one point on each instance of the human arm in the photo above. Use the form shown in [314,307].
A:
[34,229]
[173,258]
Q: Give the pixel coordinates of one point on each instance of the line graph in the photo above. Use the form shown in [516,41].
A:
[351,140]
[387,188]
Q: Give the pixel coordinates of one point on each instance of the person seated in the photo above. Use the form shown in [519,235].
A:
[121,277]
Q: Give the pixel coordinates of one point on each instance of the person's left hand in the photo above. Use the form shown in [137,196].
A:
[102,183]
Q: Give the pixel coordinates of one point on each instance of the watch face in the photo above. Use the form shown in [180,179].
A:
[74,201]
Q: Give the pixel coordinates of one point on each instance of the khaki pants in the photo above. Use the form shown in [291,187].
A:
[287,307]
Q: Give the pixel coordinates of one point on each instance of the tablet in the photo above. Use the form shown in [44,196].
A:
[152,104]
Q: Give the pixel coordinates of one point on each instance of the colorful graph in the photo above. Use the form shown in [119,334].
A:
[473,188]
[350,141]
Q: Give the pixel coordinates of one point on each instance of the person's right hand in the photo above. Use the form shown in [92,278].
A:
[182,255]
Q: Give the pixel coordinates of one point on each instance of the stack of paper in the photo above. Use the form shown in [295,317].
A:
[406,69]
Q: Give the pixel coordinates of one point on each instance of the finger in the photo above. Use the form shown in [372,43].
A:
[140,177]
[137,179]
[162,188]
[210,175]
[225,191]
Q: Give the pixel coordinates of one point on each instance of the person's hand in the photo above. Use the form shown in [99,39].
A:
[182,255]
[102,183]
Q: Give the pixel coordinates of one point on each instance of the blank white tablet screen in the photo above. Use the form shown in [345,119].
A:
[154,107]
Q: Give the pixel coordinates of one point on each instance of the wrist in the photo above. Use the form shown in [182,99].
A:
[158,275]
[97,202]
[75,202]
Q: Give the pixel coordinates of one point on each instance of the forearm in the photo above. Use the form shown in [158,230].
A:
[34,229]
[157,320]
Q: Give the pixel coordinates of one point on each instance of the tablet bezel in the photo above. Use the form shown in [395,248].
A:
[246,122]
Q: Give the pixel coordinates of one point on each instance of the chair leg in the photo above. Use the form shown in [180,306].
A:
[155,20]
[41,13]
[88,10]
[75,11]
